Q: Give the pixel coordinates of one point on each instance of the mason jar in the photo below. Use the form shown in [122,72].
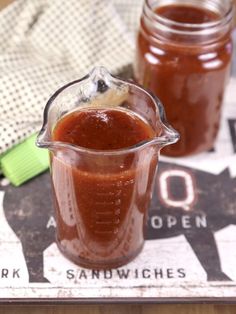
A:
[183,55]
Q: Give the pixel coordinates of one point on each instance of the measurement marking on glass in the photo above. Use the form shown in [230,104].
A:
[104,222]
[116,202]
[111,212]
[103,232]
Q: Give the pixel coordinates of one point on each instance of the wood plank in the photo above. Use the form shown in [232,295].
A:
[120,309]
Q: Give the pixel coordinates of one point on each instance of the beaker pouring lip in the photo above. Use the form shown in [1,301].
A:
[168,134]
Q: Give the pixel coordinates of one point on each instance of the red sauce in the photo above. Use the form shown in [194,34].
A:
[187,14]
[188,73]
[101,200]
[102,129]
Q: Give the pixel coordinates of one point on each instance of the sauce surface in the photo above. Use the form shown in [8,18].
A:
[187,75]
[101,201]
[187,14]
[102,129]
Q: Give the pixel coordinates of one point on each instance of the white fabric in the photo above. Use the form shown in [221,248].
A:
[47,43]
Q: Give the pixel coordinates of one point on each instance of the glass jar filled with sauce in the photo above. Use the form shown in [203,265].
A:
[183,55]
[104,136]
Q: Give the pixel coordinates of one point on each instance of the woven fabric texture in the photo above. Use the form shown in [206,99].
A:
[44,44]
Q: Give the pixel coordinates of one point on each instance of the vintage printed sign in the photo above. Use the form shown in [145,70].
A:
[190,249]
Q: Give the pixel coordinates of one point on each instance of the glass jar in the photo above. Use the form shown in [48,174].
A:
[183,55]
[101,196]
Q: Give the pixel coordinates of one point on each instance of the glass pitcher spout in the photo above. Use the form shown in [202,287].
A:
[99,89]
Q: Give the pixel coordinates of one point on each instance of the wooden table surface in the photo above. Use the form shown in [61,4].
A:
[117,308]
[120,309]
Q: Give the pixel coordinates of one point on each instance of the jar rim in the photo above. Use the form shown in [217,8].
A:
[164,23]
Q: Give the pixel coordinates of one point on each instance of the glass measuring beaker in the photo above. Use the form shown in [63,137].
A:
[101,197]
